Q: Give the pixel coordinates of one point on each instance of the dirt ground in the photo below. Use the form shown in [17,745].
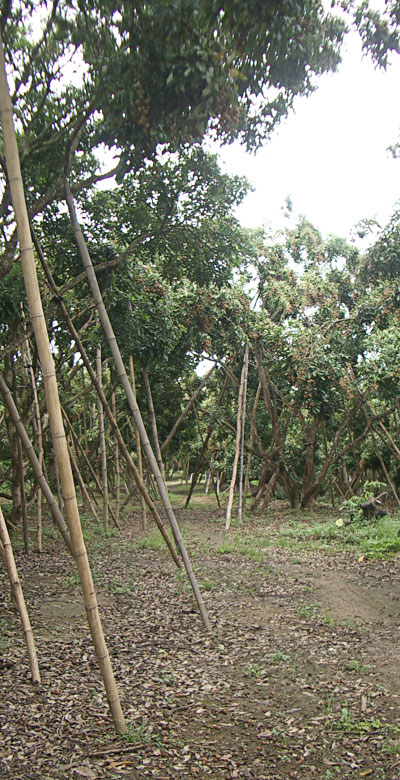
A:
[299,679]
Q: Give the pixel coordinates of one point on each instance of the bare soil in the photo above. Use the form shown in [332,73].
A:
[299,679]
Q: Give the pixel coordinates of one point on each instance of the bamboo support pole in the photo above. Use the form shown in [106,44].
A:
[242,433]
[52,396]
[237,449]
[18,597]
[138,446]
[187,408]
[102,442]
[153,422]
[35,463]
[124,379]
[124,450]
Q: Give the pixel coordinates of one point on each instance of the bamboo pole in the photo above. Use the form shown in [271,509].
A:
[102,442]
[125,452]
[38,424]
[251,442]
[78,447]
[153,423]
[187,407]
[204,446]
[242,433]
[115,351]
[237,449]
[138,446]
[117,464]
[35,463]
[52,397]
[18,597]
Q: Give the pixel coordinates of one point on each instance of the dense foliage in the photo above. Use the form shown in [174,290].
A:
[117,98]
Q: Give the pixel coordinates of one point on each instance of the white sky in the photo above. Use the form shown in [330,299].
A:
[331,155]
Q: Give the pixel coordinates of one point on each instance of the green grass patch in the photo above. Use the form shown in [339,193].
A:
[153,541]
[376,538]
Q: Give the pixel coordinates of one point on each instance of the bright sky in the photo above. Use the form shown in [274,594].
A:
[331,155]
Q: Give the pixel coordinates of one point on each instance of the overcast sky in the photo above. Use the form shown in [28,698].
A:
[331,155]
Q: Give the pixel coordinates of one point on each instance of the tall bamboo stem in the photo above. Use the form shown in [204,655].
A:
[17,594]
[52,397]
[237,449]
[153,422]
[113,344]
[242,433]
[35,462]
[138,446]
[102,442]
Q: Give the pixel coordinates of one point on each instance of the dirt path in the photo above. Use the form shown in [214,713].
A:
[299,680]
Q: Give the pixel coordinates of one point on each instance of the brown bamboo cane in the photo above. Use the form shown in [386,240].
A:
[124,450]
[52,397]
[237,448]
[117,464]
[102,441]
[78,447]
[18,596]
[153,421]
[187,408]
[138,446]
[35,463]
[115,351]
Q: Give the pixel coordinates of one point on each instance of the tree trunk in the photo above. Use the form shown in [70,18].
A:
[203,449]
[52,398]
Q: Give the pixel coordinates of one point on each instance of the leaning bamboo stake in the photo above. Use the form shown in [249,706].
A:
[124,450]
[187,407]
[204,447]
[138,447]
[237,449]
[35,463]
[242,433]
[39,437]
[18,596]
[78,447]
[153,422]
[102,442]
[117,464]
[251,443]
[52,398]
[121,371]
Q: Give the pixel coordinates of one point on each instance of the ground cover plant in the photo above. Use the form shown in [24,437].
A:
[298,680]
